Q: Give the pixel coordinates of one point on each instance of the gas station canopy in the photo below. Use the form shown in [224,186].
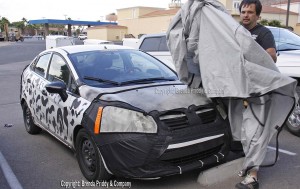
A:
[46,22]
[70,22]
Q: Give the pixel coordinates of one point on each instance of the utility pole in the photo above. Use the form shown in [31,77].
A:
[288,14]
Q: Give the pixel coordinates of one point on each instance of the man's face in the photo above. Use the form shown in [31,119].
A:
[248,16]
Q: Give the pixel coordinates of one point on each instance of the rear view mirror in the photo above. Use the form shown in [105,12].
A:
[58,87]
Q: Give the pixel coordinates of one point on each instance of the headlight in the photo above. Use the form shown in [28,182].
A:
[116,119]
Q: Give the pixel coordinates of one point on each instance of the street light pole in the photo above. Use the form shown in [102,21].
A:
[288,14]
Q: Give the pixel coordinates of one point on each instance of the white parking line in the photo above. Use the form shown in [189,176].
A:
[12,103]
[283,151]
[9,174]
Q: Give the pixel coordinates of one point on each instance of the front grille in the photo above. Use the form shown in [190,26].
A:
[208,116]
[179,120]
[194,157]
[176,123]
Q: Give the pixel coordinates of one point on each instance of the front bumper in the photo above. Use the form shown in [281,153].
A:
[181,144]
[164,153]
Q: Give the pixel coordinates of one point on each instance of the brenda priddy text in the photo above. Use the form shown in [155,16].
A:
[103,183]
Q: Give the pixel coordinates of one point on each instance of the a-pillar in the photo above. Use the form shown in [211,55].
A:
[69,30]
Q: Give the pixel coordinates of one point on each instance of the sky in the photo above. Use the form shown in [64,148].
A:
[85,10]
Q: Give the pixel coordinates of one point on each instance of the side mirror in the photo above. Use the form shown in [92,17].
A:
[59,88]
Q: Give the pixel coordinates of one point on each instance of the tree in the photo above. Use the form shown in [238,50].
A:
[264,22]
[25,20]
[275,23]
[3,21]
[20,25]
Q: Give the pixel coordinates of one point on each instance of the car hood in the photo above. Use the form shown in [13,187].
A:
[288,58]
[161,97]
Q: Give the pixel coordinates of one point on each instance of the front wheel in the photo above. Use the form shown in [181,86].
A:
[89,158]
[30,127]
[293,122]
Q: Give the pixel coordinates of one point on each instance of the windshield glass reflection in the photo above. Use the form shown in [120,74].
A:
[110,68]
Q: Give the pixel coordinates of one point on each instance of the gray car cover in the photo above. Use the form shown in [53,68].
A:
[211,50]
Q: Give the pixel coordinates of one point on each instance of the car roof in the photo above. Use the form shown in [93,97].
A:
[154,35]
[84,48]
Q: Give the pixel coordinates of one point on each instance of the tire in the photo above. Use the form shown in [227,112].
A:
[89,158]
[30,127]
[293,122]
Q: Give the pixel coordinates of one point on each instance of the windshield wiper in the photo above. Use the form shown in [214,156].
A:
[147,80]
[101,80]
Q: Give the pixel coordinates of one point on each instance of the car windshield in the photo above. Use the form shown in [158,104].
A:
[285,39]
[110,68]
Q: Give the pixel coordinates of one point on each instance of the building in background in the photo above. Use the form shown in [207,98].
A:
[145,20]
[294,8]
[107,32]
[136,21]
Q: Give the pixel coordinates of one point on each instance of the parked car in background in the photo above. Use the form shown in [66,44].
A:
[53,41]
[130,42]
[82,36]
[288,51]
[124,112]
[288,62]
[156,45]
[96,42]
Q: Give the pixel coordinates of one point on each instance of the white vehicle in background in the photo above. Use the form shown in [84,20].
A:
[288,51]
[153,44]
[96,42]
[131,42]
[53,41]
[288,62]
[82,36]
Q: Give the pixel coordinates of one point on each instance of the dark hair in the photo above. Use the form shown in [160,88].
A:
[257,3]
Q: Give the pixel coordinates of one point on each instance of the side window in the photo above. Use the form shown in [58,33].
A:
[150,44]
[163,44]
[58,70]
[41,65]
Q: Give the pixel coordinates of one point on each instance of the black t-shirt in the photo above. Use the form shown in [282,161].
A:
[263,36]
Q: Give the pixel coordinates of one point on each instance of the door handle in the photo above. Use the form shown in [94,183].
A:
[28,81]
[44,92]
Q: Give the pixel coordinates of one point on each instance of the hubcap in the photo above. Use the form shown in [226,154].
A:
[88,155]
[294,118]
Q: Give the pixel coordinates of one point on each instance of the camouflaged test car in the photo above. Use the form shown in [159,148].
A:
[122,111]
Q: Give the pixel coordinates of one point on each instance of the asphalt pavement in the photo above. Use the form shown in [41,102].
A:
[40,161]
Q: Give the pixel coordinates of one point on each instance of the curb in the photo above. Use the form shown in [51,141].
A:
[220,173]
[2,44]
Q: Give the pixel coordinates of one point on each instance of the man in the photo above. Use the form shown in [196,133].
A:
[203,33]
[249,14]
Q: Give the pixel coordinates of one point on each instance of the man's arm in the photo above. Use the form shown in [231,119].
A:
[272,53]
[266,40]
